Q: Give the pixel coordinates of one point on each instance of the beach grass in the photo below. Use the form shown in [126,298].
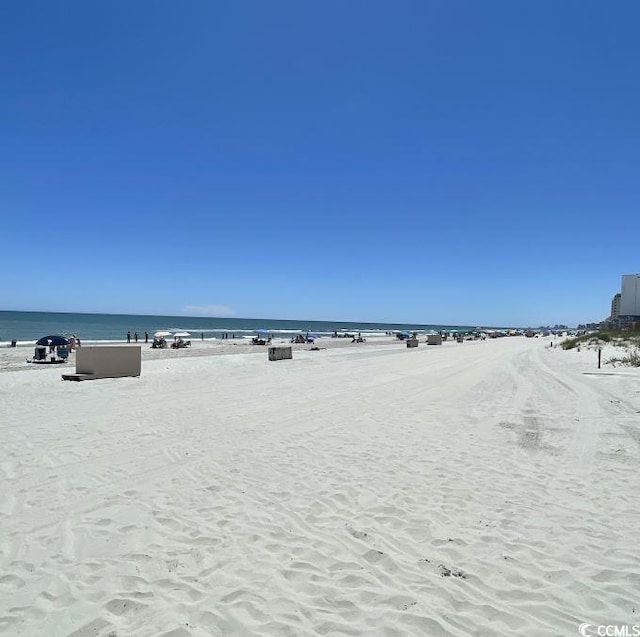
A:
[630,359]
[620,338]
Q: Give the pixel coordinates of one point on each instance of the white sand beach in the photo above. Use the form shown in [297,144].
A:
[482,488]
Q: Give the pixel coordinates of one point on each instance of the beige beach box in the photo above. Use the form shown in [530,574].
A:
[412,342]
[280,353]
[434,339]
[109,361]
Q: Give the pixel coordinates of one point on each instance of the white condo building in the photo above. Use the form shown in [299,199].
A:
[630,297]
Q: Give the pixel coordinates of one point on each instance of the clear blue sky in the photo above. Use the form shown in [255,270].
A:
[412,161]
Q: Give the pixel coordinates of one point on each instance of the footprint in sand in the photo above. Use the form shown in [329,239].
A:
[96,627]
[359,535]
[25,566]
[122,607]
[11,582]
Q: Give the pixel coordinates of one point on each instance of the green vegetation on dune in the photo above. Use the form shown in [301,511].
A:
[631,359]
[592,338]
[628,340]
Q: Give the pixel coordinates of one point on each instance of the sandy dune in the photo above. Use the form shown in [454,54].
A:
[483,488]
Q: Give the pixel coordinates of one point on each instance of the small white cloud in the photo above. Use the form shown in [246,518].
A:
[208,310]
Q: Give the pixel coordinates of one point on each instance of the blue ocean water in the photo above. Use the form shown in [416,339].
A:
[30,326]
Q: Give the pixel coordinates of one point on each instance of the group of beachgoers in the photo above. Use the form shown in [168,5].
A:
[135,337]
[354,339]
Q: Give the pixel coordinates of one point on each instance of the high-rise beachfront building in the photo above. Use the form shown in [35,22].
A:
[615,307]
[630,300]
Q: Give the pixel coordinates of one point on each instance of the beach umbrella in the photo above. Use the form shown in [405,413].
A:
[57,341]
[162,334]
[181,335]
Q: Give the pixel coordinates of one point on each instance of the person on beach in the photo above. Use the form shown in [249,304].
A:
[135,336]
[146,337]
[128,337]
[202,336]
